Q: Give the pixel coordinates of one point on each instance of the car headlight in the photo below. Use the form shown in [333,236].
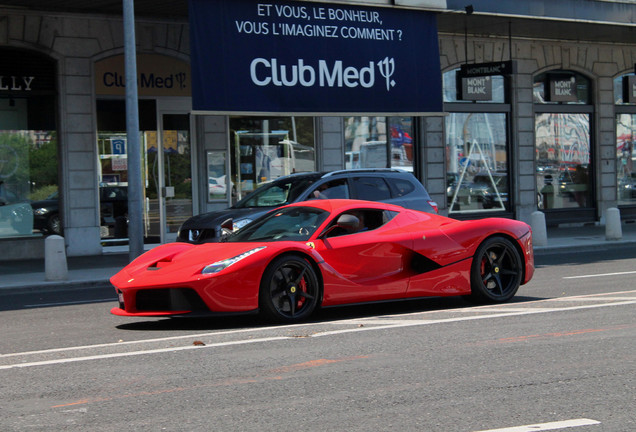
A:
[41,211]
[240,223]
[223,264]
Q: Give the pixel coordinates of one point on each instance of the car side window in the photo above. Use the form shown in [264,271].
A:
[335,189]
[368,220]
[371,188]
[400,187]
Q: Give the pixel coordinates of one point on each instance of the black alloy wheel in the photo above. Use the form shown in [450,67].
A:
[54,224]
[496,271]
[289,290]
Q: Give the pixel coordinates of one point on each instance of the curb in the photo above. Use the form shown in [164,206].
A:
[588,247]
[55,286]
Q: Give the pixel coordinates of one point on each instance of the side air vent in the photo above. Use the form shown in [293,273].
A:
[421,264]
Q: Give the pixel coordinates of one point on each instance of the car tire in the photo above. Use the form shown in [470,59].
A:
[496,271]
[54,224]
[289,290]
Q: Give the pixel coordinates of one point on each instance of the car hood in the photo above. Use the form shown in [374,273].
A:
[172,262]
[44,203]
[215,219]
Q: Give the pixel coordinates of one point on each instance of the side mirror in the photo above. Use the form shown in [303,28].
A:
[227,227]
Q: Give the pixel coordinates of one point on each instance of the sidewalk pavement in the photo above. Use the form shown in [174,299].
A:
[95,271]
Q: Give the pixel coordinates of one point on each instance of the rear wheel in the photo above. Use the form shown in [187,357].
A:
[289,290]
[496,271]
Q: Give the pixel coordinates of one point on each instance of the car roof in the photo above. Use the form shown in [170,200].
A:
[325,174]
[336,205]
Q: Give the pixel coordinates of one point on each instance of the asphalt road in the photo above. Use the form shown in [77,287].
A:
[563,353]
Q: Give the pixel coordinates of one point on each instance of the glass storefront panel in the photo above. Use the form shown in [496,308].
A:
[263,149]
[626,159]
[177,170]
[477,162]
[112,149]
[379,142]
[28,171]
[113,184]
[563,160]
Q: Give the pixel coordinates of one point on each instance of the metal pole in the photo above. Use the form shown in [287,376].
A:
[135,204]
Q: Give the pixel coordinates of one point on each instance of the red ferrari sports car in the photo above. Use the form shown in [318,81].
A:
[325,253]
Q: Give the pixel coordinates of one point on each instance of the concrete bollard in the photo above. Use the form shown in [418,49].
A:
[55,267]
[613,230]
[539,230]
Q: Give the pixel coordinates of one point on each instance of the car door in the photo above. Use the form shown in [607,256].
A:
[367,265]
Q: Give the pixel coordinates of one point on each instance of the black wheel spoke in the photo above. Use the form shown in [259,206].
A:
[305,295]
[292,304]
[501,257]
[498,284]
[300,276]
[486,278]
[489,255]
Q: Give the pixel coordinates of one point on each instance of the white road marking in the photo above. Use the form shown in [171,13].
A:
[599,275]
[547,426]
[165,339]
[389,324]
[135,353]
[413,323]
[584,299]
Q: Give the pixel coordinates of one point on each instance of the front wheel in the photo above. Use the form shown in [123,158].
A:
[54,224]
[289,290]
[496,271]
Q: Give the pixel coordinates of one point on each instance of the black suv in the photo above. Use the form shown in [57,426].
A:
[386,185]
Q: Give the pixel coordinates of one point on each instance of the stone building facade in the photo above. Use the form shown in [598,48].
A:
[76,42]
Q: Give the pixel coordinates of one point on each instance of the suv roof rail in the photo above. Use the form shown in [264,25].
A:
[362,170]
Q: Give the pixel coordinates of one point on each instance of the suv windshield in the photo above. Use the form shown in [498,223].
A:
[277,193]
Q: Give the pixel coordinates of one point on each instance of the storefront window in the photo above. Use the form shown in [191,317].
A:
[625,158]
[477,162]
[264,149]
[476,130]
[28,183]
[563,160]
[379,142]
[112,147]
[28,145]
[562,142]
[625,140]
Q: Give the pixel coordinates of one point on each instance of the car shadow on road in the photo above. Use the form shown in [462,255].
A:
[340,313]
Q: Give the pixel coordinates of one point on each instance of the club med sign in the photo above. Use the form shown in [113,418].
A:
[265,72]
[312,58]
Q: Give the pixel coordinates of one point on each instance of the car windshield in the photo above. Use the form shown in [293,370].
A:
[288,224]
[277,193]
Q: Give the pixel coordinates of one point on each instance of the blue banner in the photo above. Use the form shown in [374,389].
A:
[313,58]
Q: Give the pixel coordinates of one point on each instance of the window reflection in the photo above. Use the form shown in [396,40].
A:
[563,160]
[28,180]
[379,142]
[477,162]
[264,149]
[625,157]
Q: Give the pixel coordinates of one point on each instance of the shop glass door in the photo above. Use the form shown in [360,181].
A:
[175,174]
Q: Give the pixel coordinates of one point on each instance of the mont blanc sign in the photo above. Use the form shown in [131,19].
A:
[312,58]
